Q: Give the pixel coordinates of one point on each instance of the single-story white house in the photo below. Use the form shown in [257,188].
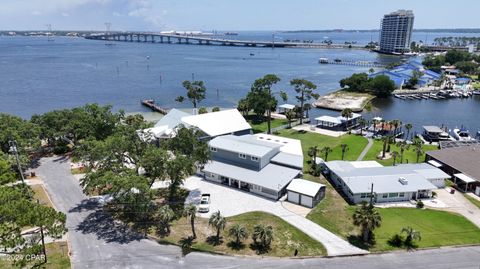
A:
[305,192]
[403,182]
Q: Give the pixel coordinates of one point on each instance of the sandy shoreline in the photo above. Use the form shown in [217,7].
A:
[340,100]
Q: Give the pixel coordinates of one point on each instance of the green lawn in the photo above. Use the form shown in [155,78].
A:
[409,155]
[286,238]
[437,228]
[260,125]
[332,213]
[473,200]
[355,144]
[57,257]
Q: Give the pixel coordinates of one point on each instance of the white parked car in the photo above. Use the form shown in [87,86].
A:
[204,205]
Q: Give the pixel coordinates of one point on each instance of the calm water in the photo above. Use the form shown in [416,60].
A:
[37,76]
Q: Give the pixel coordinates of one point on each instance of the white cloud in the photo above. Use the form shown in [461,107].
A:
[65,14]
[145,10]
[116,14]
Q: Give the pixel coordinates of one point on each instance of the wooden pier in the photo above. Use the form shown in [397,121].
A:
[151,104]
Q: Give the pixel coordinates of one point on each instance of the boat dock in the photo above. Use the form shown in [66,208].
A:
[151,104]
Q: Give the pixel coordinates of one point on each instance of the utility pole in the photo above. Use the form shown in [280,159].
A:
[43,241]
[13,148]
[371,196]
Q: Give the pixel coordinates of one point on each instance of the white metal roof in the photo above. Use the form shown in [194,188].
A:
[365,164]
[247,144]
[435,163]
[218,123]
[306,187]
[330,119]
[272,176]
[287,106]
[464,178]
[289,145]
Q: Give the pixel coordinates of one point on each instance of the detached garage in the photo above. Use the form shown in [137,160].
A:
[305,192]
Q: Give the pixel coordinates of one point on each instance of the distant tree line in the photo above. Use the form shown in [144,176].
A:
[466,62]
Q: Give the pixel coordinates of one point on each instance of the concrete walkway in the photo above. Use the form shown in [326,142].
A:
[232,202]
[365,150]
[459,204]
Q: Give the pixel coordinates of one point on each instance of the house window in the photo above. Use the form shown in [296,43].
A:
[385,195]
[213,149]
[393,195]
[402,194]
[242,156]
[363,195]
[255,159]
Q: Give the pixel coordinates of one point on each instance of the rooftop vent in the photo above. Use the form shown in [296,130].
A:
[403,181]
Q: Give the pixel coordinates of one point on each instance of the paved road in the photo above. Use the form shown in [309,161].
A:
[366,149]
[97,242]
[232,202]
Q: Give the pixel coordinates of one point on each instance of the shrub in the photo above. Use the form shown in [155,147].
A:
[395,241]
[420,204]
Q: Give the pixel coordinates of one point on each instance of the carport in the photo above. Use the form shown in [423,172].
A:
[464,178]
[305,192]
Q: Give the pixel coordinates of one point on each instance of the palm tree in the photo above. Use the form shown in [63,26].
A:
[402,145]
[362,123]
[368,218]
[326,150]
[290,116]
[166,215]
[217,221]
[312,152]
[264,234]
[412,235]
[375,122]
[243,106]
[386,141]
[191,211]
[418,151]
[394,156]
[239,232]
[344,149]
[409,127]
[395,124]
[347,113]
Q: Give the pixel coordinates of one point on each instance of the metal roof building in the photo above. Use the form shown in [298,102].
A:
[390,184]
[460,160]
[262,164]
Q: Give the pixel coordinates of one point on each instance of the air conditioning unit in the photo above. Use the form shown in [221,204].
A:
[403,181]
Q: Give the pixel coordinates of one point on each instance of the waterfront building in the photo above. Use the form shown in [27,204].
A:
[339,123]
[212,124]
[396,32]
[401,74]
[262,164]
[403,182]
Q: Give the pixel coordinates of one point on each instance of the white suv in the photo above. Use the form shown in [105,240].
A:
[204,205]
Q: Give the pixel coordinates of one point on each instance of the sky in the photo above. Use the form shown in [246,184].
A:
[237,15]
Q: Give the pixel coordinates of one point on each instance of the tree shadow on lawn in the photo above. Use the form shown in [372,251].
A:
[103,225]
[214,240]
[357,240]
[259,248]
[234,246]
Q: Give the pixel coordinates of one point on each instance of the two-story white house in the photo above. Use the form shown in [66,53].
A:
[262,164]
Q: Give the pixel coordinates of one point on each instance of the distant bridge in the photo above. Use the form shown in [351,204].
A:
[201,40]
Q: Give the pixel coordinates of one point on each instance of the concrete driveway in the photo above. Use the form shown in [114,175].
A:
[232,202]
[459,204]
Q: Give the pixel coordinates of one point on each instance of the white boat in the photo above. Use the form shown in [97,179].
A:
[476,92]
[461,134]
